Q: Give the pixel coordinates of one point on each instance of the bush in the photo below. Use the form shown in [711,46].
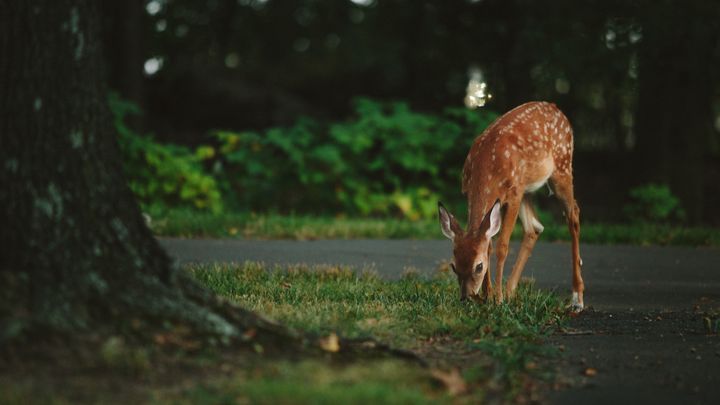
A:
[653,203]
[163,175]
[387,160]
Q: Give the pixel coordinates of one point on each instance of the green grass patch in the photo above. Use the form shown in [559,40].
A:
[317,382]
[181,223]
[496,347]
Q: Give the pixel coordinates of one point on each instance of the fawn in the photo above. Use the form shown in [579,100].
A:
[515,155]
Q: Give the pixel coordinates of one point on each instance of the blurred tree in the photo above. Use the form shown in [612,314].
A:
[678,58]
[76,253]
[254,64]
[124,32]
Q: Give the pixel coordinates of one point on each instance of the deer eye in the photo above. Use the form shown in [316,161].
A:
[452,266]
[478,268]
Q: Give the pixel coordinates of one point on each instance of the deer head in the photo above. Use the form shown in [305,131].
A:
[470,249]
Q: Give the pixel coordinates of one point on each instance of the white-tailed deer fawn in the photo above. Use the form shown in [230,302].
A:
[515,155]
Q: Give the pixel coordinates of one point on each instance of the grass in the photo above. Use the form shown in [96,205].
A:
[497,348]
[316,382]
[475,352]
[182,223]
[179,223]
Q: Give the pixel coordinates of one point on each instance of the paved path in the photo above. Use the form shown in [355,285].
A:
[643,332]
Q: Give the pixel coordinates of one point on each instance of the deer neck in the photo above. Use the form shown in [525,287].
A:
[479,204]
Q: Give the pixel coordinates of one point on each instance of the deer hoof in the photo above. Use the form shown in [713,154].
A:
[576,305]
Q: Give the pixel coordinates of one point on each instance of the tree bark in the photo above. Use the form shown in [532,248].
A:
[76,254]
[75,250]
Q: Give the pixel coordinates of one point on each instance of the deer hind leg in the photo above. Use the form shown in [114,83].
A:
[564,190]
[503,243]
[531,231]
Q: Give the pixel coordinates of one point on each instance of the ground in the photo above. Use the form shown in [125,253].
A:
[442,350]
[646,335]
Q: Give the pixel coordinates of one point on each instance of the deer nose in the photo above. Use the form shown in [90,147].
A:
[464,295]
[465,291]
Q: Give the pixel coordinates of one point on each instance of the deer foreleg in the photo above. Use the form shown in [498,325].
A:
[532,229]
[503,243]
[564,189]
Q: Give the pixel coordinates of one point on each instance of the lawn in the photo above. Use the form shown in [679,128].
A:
[473,351]
[180,223]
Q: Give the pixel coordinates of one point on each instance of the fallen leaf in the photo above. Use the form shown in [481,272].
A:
[330,343]
[249,334]
[452,380]
[160,339]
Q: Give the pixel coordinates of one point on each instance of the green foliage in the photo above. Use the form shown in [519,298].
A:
[185,223]
[653,203]
[163,175]
[387,160]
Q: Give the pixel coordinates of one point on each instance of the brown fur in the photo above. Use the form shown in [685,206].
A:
[521,150]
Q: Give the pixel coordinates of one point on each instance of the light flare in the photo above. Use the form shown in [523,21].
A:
[476,94]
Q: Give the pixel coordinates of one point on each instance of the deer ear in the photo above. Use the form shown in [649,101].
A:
[448,223]
[494,218]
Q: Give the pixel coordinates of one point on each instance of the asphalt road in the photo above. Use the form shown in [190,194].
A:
[641,340]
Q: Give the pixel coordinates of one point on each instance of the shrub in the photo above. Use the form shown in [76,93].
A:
[387,160]
[653,203]
[163,175]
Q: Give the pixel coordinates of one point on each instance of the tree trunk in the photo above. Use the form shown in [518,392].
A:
[674,113]
[76,254]
[75,250]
